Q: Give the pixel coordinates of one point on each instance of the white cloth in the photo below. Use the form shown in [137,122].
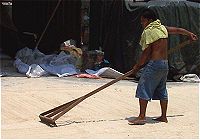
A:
[190,78]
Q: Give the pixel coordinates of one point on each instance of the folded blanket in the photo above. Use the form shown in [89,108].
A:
[153,32]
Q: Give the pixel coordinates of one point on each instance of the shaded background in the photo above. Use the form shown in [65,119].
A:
[114,27]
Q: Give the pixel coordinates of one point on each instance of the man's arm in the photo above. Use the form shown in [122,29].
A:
[145,56]
[175,30]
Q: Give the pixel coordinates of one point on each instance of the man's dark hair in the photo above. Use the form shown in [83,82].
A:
[149,14]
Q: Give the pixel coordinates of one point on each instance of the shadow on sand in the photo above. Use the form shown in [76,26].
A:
[150,119]
[69,122]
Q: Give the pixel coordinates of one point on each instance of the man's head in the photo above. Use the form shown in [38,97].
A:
[147,17]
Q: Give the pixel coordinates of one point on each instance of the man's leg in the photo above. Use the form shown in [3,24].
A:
[141,119]
[163,117]
[143,106]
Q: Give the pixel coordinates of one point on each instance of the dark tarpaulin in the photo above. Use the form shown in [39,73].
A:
[113,27]
[119,30]
[106,31]
[33,16]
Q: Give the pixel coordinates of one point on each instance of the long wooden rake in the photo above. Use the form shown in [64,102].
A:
[49,117]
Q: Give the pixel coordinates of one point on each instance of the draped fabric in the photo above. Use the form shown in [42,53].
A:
[33,16]
[115,26]
[106,30]
[153,32]
[117,31]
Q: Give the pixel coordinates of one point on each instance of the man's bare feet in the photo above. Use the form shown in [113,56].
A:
[137,121]
[161,119]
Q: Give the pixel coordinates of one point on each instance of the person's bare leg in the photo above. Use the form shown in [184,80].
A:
[163,117]
[141,119]
[143,106]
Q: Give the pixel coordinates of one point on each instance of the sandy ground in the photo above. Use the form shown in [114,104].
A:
[103,115]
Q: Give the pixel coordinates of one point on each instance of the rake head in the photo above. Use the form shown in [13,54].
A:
[48,121]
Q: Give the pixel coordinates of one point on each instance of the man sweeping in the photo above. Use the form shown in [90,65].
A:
[152,83]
